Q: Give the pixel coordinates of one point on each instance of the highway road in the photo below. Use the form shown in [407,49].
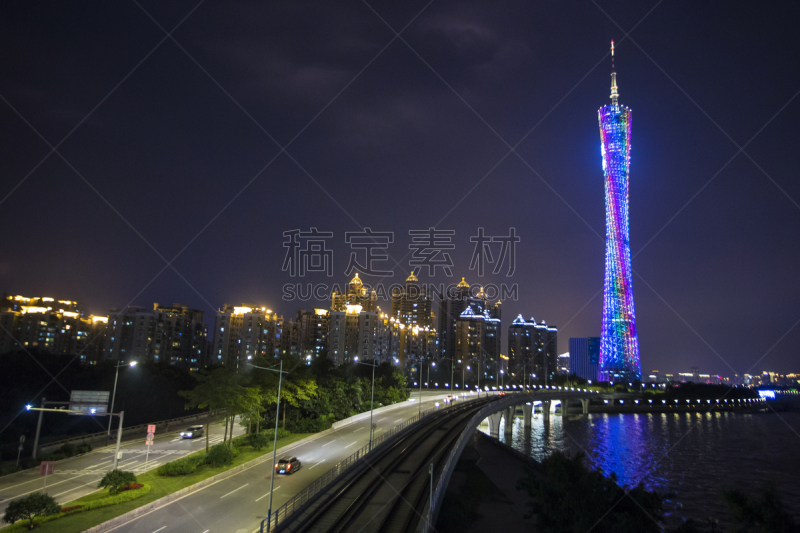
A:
[240,502]
[78,476]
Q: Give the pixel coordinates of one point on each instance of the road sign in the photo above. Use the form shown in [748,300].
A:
[89,402]
[46,468]
[21,439]
[151,434]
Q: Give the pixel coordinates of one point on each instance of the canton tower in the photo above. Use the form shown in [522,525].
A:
[619,344]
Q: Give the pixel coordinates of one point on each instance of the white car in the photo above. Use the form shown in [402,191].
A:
[192,432]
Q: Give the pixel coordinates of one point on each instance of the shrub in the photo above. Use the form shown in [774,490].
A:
[96,504]
[259,441]
[84,448]
[219,455]
[68,450]
[311,425]
[181,467]
[29,507]
[115,480]
[243,440]
[9,469]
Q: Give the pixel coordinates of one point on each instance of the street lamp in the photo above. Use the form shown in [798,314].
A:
[420,389]
[452,370]
[275,440]
[113,396]
[427,384]
[372,401]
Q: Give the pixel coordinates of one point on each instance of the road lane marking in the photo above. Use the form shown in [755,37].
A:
[267,494]
[39,480]
[331,442]
[234,490]
[359,429]
[287,448]
[159,529]
[354,442]
[76,488]
[319,463]
[398,420]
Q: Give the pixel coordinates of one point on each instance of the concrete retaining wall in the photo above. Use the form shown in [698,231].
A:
[365,416]
[95,438]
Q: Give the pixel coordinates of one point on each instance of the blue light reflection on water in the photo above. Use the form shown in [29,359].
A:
[693,455]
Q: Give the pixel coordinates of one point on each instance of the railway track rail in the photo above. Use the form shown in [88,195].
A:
[390,489]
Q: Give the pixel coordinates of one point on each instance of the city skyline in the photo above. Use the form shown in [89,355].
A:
[214,339]
[170,154]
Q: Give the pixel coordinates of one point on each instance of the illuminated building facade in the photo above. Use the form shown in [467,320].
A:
[411,305]
[619,345]
[50,325]
[356,294]
[312,326]
[532,350]
[244,332]
[451,306]
[478,337]
[176,335]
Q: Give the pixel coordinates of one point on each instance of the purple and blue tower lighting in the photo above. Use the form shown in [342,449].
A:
[619,344]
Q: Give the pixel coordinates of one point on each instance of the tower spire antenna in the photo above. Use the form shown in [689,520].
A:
[614,89]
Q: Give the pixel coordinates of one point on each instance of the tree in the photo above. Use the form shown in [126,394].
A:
[298,384]
[567,496]
[211,392]
[763,514]
[115,480]
[241,400]
[29,507]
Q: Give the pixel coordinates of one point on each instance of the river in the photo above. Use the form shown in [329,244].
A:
[693,455]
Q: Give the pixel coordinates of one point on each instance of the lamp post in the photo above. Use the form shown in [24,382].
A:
[420,389]
[428,383]
[275,440]
[113,396]
[372,401]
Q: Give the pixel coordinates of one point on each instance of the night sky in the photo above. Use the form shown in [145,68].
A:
[171,148]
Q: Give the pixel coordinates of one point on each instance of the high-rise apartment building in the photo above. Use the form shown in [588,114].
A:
[50,325]
[244,332]
[356,294]
[411,304]
[532,350]
[451,306]
[312,328]
[478,338]
[176,335]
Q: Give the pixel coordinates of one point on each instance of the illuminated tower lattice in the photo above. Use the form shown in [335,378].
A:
[619,345]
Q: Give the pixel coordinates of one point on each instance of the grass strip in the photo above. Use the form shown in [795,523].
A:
[160,486]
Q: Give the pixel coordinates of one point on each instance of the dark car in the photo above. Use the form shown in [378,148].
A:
[192,432]
[288,465]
